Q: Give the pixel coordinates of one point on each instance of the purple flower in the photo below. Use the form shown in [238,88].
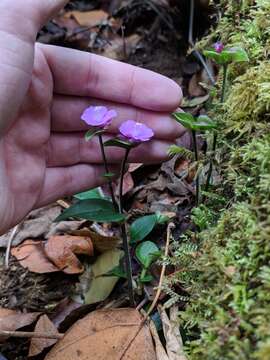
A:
[219,47]
[135,131]
[98,116]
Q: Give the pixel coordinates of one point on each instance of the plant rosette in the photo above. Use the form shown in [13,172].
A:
[224,56]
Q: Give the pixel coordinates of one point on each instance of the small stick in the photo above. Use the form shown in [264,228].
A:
[25,334]
[154,303]
[11,238]
[191,42]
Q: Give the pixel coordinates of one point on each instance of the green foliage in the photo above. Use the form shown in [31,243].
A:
[181,152]
[99,210]
[226,268]
[142,227]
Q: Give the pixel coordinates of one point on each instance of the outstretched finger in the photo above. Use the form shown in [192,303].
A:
[82,74]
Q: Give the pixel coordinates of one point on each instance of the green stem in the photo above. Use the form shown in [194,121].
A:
[222,99]
[195,148]
[124,233]
[224,83]
[107,171]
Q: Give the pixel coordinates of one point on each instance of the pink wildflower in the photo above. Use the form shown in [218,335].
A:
[135,131]
[98,116]
[219,47]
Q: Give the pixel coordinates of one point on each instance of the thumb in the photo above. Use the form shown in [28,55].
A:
[25,18]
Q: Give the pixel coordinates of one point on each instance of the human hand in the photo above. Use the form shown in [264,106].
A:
[43,91]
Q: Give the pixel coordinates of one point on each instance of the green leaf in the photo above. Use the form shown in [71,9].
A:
[203,123]
[179,150]
[162,219]
[185,119]
[119,143]
[142,227]
[90,194]
[237,54]
[117,271]
[146,278]
[147,252]
[93,132]
[100,285]
[212,54]
[99,210]
[109,175]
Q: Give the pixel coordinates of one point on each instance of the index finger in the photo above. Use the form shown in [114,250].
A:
[82,74]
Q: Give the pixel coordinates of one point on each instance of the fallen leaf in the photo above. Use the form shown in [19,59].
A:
[101,286]
[174,343]
[31,255]
[119,48]
[194,87]
[88,18]
[128,184]
[194,102]
[12,320]
[106,334]
[100,242]
[36,226]
[160,351]
[134,166]
[61,251]
[37,345]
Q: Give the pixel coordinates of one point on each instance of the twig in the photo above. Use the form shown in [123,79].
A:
[9,244]
[154,303]
[25,334]
[63,204]
[191,42]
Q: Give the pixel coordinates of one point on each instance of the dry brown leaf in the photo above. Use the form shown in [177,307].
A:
[61,251]
[134,166]
[174,343]
[160,351]
[106,334]
[194,87]
[37,345]
[100,242]
[88,18]
[31,255]
[36,226]
[12,320]
[115,49]
[128,184]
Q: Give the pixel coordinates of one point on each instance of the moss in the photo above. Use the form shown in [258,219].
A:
[228,276]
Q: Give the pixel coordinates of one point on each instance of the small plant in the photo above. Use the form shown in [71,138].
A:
[201,123]
[101,209]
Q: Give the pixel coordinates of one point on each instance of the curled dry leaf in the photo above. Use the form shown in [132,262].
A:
[12,320]
[61,251]
[30,255]
[37,225]
[88,18]
[174,343]
[160,351]
[44,325]
[100,242]
[106,334]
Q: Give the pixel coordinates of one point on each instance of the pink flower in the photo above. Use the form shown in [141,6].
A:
[135,131]
[219,47]
[98,116]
